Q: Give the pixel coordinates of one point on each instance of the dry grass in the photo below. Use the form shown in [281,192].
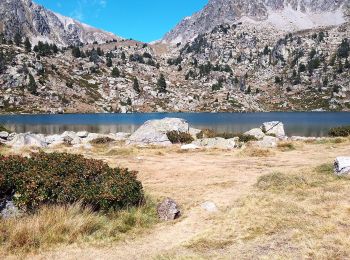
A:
[256,152]
[62,225]
[286,146]
[300,215]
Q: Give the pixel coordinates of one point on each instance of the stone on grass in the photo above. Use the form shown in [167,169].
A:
[190,147]
[342,166]
[256,132]
[9,210]
[168,210]
[4,135]
[154,132]
[71,138]
[209,206]
[274,128]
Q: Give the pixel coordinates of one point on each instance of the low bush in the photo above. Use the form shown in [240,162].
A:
[102,140]
[176,137]
[342,131]
[286,146]
[59,178]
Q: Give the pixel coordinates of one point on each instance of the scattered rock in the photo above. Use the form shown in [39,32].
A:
[256,132]
[154,132]
[190,147]
[29,140]
[209,206]
[82,134]
[71,138]
[4,135]
[274,128]
[342,166]
[168,210]
[218,142]
[268,142]
[8,209]
[122,136]
[193,132]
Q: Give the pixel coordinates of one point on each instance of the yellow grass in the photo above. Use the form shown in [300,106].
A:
[62,225]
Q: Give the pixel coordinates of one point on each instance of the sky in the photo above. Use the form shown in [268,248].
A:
[143,20]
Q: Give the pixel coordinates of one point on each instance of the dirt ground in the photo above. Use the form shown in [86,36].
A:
[192,178]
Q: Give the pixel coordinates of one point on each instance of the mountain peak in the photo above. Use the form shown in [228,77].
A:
[284,15]
[40,24]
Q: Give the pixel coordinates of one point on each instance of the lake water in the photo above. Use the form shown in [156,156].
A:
[304,124]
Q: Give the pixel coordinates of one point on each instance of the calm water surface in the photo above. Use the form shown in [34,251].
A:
[305,124]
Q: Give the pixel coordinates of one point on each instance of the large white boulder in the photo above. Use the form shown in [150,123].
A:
[154,132]
[268,142]
[28,140]
[342,166]
[256,132]
[274,128]
[218,142]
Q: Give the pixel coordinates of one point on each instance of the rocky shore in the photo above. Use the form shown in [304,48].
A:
[155,133]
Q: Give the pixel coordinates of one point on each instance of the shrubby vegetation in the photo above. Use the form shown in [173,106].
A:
[64,179]
[342,131]
[176,137]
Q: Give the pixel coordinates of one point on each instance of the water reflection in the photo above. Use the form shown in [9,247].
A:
[305,124]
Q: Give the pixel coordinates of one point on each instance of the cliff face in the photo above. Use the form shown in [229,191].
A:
[38,23]
[284,15]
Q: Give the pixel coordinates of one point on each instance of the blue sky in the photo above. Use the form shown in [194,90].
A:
[144,20]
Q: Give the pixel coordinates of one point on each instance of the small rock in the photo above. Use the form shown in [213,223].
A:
[82,134]
[4,135]
[342,166]
[168,210]
[190,147]
[209,206]
[9,210]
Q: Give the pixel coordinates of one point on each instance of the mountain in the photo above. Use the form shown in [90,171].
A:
[282,15]
[39,24]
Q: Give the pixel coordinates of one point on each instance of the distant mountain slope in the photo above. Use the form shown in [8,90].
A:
[36,22]
[283,15]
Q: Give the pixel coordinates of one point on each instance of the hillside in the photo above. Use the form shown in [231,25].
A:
[232,67]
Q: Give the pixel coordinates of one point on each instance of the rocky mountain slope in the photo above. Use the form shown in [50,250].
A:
[232,67]
[283,15]
[26,18]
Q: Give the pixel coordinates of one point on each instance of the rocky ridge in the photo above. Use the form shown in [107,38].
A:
[39,24]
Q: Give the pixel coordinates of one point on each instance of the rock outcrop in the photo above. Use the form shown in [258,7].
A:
[274,128]
[34,21]
[154,132]
[217,142]
[28,140]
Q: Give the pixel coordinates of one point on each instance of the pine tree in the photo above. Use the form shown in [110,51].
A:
[76,52]
[161,84]
[32,87]
[109,62]
[136,86]
[27,45]
[17,39]
[115,72]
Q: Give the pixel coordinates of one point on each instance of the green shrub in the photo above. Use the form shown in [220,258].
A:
[342,131]
[59,178]
[176,137]
[102,140]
